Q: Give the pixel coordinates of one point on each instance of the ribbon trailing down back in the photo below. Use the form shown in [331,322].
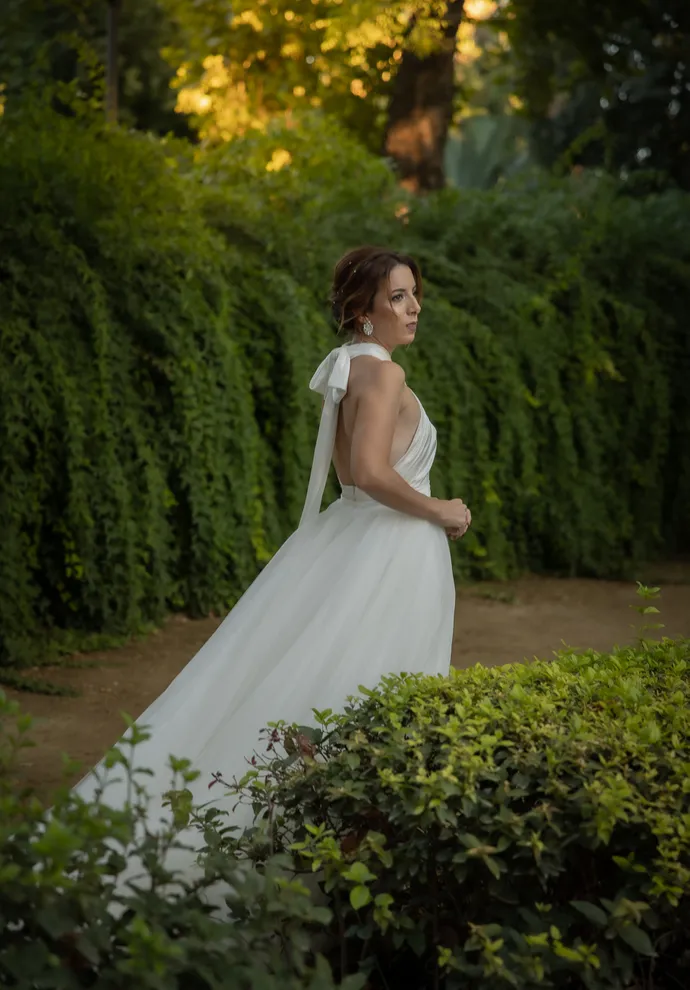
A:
[330,380]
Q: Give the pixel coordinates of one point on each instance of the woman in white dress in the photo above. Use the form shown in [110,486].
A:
[361,590]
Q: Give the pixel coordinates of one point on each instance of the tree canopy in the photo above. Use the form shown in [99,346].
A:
[610,82]
[578,85]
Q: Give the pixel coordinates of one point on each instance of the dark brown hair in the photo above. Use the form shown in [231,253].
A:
[357,278]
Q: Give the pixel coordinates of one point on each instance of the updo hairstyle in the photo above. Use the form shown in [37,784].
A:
[356,281]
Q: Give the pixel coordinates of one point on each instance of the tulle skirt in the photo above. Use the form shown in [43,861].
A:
[358,592]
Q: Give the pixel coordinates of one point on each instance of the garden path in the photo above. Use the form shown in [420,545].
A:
[495,623]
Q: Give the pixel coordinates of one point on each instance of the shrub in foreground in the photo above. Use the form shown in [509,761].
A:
[68,921]
[527,826]
[524,827]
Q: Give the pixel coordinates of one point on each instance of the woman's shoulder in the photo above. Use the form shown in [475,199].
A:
[370,373]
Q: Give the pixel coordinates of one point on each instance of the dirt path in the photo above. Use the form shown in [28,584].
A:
[494,624]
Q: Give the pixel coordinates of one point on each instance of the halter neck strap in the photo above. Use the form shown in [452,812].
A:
[330,380]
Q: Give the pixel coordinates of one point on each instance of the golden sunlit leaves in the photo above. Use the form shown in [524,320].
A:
[191,100]
[216,74]
[249,17]
[467,49]
[379,31]
[330,53]
[480,10]
[280,159]
[292,49]
[225,108]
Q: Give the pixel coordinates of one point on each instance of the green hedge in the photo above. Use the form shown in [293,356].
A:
[131,460]
[525,826]
[161,310]
[68,919]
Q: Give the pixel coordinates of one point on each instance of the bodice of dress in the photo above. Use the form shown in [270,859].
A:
[330,380]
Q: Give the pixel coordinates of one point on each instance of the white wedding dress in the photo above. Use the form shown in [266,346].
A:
[358,591]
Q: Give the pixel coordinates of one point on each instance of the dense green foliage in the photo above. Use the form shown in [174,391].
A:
[524,826]
[130,470]
[68,920]
[605,84]
[61,45]
[161,316]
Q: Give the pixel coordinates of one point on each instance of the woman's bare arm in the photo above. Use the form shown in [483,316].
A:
[378,403]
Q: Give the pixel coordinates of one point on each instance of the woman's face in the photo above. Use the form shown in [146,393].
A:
[395,310]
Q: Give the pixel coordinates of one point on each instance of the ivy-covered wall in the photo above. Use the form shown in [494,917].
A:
[162,310]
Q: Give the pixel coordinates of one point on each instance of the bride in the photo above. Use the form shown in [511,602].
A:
[360,590]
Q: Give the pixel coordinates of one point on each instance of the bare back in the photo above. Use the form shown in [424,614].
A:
[408,417]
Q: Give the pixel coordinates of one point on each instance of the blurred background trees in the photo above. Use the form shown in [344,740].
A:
[606,84]
[465,92]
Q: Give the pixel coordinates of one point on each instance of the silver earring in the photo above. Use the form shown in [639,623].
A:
[368,327]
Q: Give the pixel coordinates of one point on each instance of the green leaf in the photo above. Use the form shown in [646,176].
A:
[470,841]
[384,900]
[493,865]
[564,952]
[592,912]
[359,897]
[637,939]
[358,873]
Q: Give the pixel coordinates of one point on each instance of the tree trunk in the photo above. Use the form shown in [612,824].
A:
[421,109]
[111,65]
